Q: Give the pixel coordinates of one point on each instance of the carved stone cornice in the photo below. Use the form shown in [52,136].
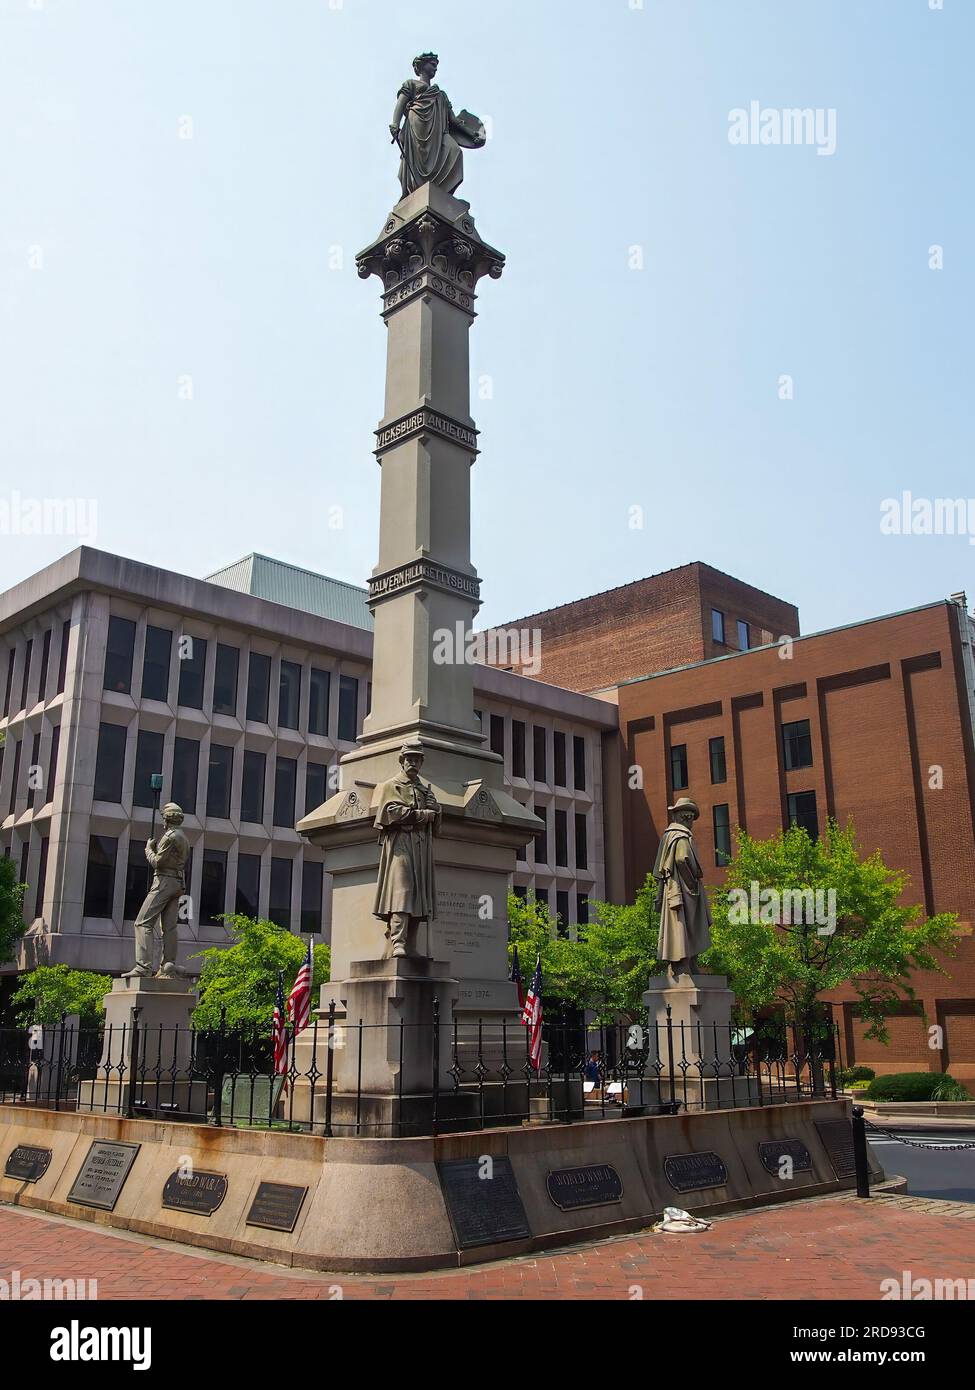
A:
[425,420]
[423,574]
[429,255]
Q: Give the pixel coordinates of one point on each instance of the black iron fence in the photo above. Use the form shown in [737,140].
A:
[346,1077]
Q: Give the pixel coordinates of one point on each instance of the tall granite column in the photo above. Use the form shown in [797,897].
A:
[424,594]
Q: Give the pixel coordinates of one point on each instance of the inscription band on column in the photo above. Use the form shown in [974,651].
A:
[425,421]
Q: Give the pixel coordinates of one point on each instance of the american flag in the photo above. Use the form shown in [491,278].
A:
[516,977]
[299,1000]
[279,1033]
[531,1017]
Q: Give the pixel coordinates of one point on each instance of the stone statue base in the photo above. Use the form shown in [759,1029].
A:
[697,1058]
[165,1047]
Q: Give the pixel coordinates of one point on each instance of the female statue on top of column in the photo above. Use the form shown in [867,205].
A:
[431,137]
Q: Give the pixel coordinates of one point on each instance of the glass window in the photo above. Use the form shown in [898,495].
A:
[497,734]
[213,885]
[25,682]
[137,878]
[348,708]
[248,896]
[561,780]
[717,625]
[582,843]
[579,762]
[541,896]
[155,663]
[517,748]
[63,658]
[11,658]
[582,908]
[41,876]
[186,773]
[312,883]
[802,812]
[722,835]
[285,781]
[15,779]
[148,760]
[678,766]
[316,783]
[541,836]
[258,687]
[539,766]
[319,687]
[561,839]
[225,669]
[118,656]
[279,907]
[252,786]
[100,876]
[562,911]
[45,659]
[35,772]
[719,767]
[52,770]
[109,762]
[289,695]
[219,778]
[797,744]
[744,636]
[192,665]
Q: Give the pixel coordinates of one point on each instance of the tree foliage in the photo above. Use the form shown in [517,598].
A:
[12,925]
[44,994]
[243,978]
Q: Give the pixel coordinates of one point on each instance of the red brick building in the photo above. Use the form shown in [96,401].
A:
[872,721]
[684,615]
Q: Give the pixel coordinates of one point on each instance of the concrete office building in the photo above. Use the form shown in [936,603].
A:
[243,691]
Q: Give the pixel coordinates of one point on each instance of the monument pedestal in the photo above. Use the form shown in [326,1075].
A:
[695,1060]
[164,1046]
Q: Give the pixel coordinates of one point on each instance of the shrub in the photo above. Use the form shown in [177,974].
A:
[857,1074]
[916,1085]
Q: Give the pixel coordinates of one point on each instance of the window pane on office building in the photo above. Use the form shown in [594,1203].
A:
[213,885]
[285,779]
[15,779]
[219,779]
[497,734]
[109,762]
[192,665]
[186,773]
[252,786]
[52,767]
[744,636]
[517,748]
[63,656]
[579,762]
[118,656]
[797,744]
[717,625]
[45,659]
[100,876]
[41,876]
[11,659]
[225,669]
[561,839]
[156,659]
[248,894]
[722,835]
[562,911]
[316,784]
[582,842]
[678,766]
[148,760]
[539,762]
[582,909]
[289,695]
[558,739]
[137,878]
[35,773]
[802,812]
[312,884]
[279,907]
[258,687]
[541,836]
[319,688]
[719,767]
[25,682]
[348,708]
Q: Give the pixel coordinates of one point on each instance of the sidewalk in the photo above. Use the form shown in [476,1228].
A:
[832,1247]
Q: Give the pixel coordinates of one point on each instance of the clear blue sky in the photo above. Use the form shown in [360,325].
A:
[214,258]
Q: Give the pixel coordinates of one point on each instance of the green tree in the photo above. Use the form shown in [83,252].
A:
[243,978]
[46,993]
[875,945]
[12,925]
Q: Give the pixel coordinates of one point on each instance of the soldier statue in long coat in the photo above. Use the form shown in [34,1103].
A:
[407,818]
[685,914]
[168,862]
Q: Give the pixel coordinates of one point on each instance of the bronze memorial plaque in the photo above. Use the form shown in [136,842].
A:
[695,1172]
[27,1164]
[772,1151]
[595,1185]
[199,1192]
[483,1201]
[276,1206]
[101,1176]
[837,1137]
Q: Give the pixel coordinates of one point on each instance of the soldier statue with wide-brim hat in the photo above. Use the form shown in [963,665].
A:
[682,901]
[167,860]
[407,818]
